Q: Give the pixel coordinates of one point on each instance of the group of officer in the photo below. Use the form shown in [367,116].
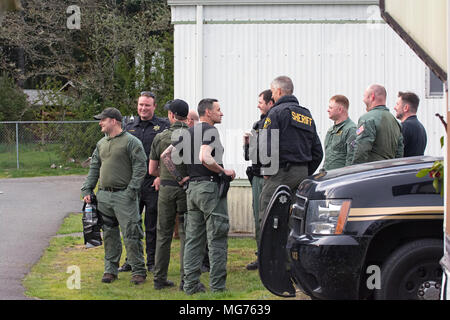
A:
[134,169]
[377,136]
[175,170]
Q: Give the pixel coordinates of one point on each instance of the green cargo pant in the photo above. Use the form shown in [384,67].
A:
[120,205]
[257,185]
[291,178]
[207,220]
[171,200]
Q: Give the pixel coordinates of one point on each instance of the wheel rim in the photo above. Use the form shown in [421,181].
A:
[421,282]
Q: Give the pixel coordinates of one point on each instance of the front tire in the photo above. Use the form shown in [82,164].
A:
[412,272]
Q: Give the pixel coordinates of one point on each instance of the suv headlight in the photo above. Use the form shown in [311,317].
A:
[327,216]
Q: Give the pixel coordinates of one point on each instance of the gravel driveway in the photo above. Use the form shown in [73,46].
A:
[31,212]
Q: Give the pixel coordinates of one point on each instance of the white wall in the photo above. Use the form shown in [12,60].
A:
[325,49]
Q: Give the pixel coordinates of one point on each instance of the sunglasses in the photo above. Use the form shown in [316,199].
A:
[148,94]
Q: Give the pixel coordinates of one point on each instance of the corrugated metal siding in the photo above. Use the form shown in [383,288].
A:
[240,210]
[277,12]
[289,12]
[183,13]
[184,64]
[266,2]
[323,58]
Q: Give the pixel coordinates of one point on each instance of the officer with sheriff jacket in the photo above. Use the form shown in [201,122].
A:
[297,152]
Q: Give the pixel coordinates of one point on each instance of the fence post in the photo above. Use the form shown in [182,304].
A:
[17,144]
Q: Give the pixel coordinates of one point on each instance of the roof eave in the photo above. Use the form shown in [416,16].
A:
[269,2]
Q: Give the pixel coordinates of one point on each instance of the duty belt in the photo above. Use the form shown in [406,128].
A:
[110,189]
[206,178]
[170,183]
[287,165]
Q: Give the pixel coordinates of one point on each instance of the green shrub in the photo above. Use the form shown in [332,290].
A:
[13,102]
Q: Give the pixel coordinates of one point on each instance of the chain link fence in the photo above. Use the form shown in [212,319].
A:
[45,144]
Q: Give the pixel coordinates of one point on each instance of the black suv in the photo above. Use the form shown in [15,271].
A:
[373,230]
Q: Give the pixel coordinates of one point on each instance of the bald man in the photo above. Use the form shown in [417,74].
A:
[192,118]
[378,134]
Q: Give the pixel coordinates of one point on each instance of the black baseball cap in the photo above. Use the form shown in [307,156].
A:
[112,113]
[178,107]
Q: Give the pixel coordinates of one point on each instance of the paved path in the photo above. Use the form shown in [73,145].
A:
[31,212]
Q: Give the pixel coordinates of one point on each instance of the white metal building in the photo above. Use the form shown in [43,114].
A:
[232,49]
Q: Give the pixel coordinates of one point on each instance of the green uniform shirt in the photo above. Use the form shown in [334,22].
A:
[160,143]
[378,137]
[338,145]
[117,162]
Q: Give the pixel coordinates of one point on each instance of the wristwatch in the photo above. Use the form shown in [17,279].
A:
[179,178]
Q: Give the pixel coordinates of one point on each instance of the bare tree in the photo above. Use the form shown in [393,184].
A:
[121,47]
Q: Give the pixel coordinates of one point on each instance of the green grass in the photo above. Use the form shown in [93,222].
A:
[28,173]
[48,278]
[35,160]
[71,224]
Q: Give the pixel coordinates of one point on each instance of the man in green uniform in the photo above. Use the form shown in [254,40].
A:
[378,134]
[338,147]
[172,197]
[119,166]
[207,218]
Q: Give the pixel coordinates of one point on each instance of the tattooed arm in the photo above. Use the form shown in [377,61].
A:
[166,158]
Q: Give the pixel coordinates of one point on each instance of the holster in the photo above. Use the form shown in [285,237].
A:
[250,174]
[224,185]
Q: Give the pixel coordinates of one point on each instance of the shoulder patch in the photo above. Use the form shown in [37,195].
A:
[360,130]
[267,123]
